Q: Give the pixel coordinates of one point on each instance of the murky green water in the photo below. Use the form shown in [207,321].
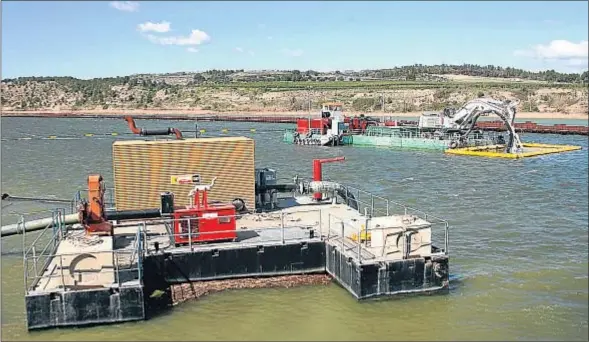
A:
[518,242]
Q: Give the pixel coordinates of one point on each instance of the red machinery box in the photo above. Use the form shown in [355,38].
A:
[215,222]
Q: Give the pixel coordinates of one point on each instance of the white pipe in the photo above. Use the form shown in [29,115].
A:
[29,226]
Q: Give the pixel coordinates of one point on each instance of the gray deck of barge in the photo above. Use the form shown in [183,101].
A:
[114,284]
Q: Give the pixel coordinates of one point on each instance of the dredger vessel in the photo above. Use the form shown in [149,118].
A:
[453,131]
[195,210]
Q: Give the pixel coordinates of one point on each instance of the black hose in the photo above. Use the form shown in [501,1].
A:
[119,215]
[8,197]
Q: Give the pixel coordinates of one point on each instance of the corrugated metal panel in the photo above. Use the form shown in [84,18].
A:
[143,170]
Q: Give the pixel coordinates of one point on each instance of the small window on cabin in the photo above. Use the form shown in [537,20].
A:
[224,220]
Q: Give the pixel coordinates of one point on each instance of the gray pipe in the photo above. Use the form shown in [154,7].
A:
[30,226]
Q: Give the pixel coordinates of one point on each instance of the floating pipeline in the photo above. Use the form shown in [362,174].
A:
[195,290]
[102,135]
[496,126]
[496,151]
[532,127]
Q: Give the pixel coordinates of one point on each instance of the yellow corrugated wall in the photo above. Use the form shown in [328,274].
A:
[143,170]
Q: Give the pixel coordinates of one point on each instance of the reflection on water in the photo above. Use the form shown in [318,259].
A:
[518,242]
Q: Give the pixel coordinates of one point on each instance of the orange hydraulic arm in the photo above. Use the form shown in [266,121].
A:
[93,214]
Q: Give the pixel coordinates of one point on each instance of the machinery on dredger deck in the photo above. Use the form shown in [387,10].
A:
[453,131]
[448,129]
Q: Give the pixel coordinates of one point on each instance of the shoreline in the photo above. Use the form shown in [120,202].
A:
[184,113]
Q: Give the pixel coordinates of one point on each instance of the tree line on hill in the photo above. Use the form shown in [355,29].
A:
[404,73]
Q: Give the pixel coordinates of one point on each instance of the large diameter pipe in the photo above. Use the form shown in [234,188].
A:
[121,215]
[30,226]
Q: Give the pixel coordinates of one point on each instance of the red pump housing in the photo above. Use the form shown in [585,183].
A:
[204,222]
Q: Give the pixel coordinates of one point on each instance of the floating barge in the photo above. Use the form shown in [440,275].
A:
[104,262]
[497,151]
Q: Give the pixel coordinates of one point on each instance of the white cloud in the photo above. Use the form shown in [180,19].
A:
[125,6]
[161,27]
[293,53]
[196,37]
[238,49]
[261,26]
[269,37]
[562,51]
[191,49]
[557,49]
[251,53]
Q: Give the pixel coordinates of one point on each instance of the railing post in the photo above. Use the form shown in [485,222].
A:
[282,226]
[343,236]
[446,242]
[54,228]
[328,225]
[35,261]
[405,210]
[320,224]
[118,269]
[360,239]
[61,270]
[189,234]
[387,207]
[139,254]
[371,205]
[21,225]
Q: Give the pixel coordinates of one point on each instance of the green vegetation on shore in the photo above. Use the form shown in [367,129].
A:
[410,88]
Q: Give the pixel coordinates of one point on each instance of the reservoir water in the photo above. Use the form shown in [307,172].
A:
[518,241]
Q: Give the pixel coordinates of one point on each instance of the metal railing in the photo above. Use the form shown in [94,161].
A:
[37,260]
[372,205]
[44,245]
[280,229]
[42,262]
[407,132]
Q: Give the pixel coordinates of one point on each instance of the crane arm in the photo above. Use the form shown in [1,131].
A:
[466,117]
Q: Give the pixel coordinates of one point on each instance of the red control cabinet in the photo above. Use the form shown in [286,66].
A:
[215,222]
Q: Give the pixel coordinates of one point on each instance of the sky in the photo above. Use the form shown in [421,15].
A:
[88,39]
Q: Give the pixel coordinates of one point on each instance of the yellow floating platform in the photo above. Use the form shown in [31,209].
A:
[496,151]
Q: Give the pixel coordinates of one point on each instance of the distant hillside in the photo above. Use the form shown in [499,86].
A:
[403,89]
